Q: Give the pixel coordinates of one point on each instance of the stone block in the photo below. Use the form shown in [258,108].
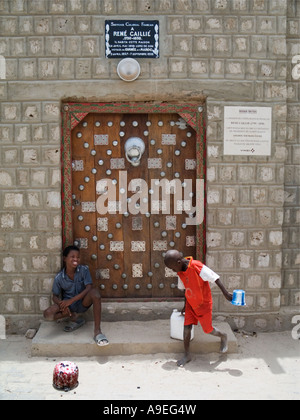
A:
[27,304]
[247,24]
[9,304]
[228,261]
[30,333]
[66,68]
[47,68]
[51,111]
[83,68]
[259,196]
[213,151]
[34,199]
[11,112]
[64,25]
[214,239]
[245,260]
[55,46]
[257,238]
[39,133]
[247,173]
[23,177]
[263,301]
[182,45]
[241,46]
[43,25]
[5,179]
[274,281]
[245,217]
[144,6]
[25,221]
[222,46]
[213,24]
[194,24]
[42,222]
[235,69]
[73,46]
[6,133]
[31,112]
[227,173]
[264,260]
[13,200]
[31,156]
[213,196]
[7,221]
[23,133]
[9,25]
[10,156]
[225,217]
[35,46]
[266,174]
[53,200]
[217,68]
[231,195]
[109,7]
[9,264]
[236,239]
[198,68]
[54,243]
[258,46]
[278,46]
[90,47]
[40,263]
[254,281]
[231,24]
[275,238]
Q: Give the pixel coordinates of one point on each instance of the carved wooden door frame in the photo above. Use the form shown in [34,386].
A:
[72,113]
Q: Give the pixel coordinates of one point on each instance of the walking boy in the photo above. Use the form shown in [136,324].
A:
[73,293]
[195,277]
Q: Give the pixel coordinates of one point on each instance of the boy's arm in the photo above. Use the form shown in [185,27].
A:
[56,299]
[183,309]
[65,303]
[227,295]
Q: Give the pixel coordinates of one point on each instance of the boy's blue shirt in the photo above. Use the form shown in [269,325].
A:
[66,288]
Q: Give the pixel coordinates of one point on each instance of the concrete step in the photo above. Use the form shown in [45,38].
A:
[125,337]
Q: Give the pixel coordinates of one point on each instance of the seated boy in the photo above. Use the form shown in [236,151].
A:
[73,293]
[195,277]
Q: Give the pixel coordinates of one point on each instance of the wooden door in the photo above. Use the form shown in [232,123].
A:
[124,248]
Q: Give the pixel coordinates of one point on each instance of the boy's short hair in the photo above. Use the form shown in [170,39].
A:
[70,248]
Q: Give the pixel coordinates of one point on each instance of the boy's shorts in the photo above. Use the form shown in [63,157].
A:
[203,316]
[78,307]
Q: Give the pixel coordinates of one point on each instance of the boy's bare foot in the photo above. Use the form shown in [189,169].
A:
[224,344]
[187,358]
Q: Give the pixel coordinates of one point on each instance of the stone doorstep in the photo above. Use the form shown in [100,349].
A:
[125,337]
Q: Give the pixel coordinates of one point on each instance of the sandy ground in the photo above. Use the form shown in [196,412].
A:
[267,367]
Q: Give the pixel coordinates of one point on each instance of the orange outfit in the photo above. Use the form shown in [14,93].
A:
[198,306]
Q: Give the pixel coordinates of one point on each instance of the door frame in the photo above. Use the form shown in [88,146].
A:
[72,113]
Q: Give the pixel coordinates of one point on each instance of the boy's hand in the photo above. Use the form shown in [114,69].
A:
[66,312]
[64,307]
[228,296]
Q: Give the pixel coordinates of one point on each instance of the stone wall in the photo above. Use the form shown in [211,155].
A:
[234,52]
[290,296]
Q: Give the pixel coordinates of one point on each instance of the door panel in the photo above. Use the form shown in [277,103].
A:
[124,248]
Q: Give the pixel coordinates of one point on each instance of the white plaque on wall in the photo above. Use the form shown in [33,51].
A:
[247,130]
